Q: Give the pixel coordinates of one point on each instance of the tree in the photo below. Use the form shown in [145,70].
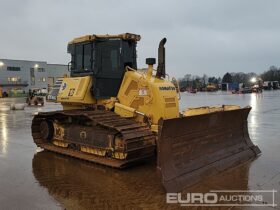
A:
[213,80]
[227,78]
[204,79]
[273,74]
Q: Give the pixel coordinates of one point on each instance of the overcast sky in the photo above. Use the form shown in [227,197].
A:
[203,36]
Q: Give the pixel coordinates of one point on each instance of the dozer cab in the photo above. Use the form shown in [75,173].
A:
[116,115]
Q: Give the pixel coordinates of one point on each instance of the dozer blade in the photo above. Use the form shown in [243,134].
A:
[191,148]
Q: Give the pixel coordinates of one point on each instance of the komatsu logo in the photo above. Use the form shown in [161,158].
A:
[167,88]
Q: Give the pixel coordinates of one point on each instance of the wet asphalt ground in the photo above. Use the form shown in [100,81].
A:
[34,179]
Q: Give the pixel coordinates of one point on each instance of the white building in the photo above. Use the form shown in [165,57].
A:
[24,75]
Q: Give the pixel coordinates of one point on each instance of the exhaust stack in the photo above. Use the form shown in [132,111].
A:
[161,59]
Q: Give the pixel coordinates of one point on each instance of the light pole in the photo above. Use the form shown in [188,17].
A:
[1,64]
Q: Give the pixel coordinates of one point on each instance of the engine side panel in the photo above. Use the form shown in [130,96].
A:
[76,90]
[156,98]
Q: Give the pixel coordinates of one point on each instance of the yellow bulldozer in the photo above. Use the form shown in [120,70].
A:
[116,115]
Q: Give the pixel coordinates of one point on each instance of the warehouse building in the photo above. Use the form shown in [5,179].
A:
[20,76]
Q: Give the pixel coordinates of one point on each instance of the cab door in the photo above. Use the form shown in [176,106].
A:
[109,71]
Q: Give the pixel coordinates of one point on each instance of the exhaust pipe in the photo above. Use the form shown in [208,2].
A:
[161,59]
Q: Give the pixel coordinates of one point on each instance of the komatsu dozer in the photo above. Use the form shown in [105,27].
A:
[116,115]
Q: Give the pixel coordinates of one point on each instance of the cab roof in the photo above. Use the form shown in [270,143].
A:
[124,36]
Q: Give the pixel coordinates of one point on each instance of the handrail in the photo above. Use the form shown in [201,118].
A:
[177,86]
[127,68]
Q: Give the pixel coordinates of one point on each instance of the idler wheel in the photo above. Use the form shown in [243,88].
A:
[46,130]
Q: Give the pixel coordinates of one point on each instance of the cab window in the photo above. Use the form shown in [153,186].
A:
[79,57]
[83,55]
[87,57]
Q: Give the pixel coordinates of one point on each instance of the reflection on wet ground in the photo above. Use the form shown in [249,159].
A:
[85,185]
[42,180]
